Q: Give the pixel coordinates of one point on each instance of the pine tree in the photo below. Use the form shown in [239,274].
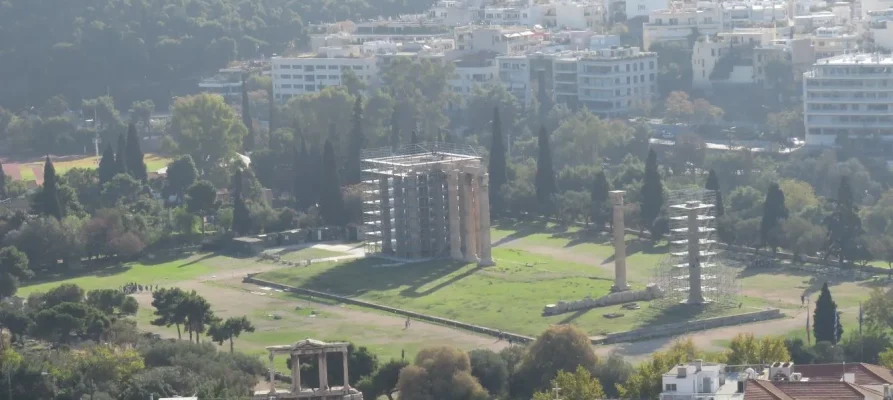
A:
[844,226]
[331,204]
[825,323]
[652,192]
[49,204]
[497,167]
[2,182]
[545,172]
[249,142]
[413,138]
[352,173]
[241,223]
[774,212]
[713,185]
[395,129]
[107,166]
[601,203]
[121,156]
[136,167]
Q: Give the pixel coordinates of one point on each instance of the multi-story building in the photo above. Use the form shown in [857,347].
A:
[874,5]
[479,69]
[834,41]
[798,53]
[514,73]
[880,25]
[737,48]
[310,73]
[642,8]
[849,96]
[499,40]
[744,14]
[680,24]
[228,81]
[699,380]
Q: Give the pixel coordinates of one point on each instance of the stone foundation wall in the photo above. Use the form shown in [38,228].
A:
[690,326]
[650,293]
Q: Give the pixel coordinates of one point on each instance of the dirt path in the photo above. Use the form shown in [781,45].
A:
[12,171]
[230,297]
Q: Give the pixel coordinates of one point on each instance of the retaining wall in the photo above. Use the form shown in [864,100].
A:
[412,314]
[690,326]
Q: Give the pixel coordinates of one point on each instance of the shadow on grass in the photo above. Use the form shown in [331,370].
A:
[521,228]
[815,279]
[197,260]
[647,347]
[163,257]
[644,246]
[354,278]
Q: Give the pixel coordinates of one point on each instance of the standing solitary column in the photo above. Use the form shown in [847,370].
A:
[346,378]
[471,229]
[620,284]
[385,203]
[453,214]
[483,197]
[272,375]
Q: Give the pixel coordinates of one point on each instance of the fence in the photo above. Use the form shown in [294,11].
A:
[406,313]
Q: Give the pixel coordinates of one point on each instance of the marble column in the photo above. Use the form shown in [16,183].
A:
[413,247]
[295,373]
[620,283]
[455,225]
[346,376]
[484,220]
[471,228]
[323,372]
[385,210]
[695,294]
[400,234]
[272,375]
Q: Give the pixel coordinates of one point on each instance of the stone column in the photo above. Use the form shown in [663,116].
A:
[455,225]
[385,204]
[471,229]
[620,283]
[272,375]
[438,233]
[414,236]
[323,372]
[483,197]
[400,234]
[695,294]
[346,377]
[295,373]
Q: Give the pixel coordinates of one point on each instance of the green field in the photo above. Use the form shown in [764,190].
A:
[309,253]
[26,169]
[164,274]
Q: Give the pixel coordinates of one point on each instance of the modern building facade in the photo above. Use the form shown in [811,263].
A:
[311,73]
[680,24]
[849,97]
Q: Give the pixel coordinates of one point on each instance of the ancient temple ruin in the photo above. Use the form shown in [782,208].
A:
[313,351]
[426,200]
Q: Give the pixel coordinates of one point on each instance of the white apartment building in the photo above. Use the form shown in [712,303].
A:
[880,26]
[699,381]
[310,73]
[850,95]
[744,14]
[708,51]
[642,8]
[678,24]
[514,73]
[874,5]
[834,41]
[474,70]
[610,82]
[499,40]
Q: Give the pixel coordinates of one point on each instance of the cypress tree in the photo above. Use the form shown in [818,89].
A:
[272,117]
[844,225]
[249,141]
[395,129]
[825,324]
[713,184]
[545,172]
[543,96]
[241,224]
[303,190]
[2,182]
[652,192]
[497,167]
[107,166]
[121,156]
[49,195]
[601,204]
[136,167]
[774,211]
[331,204]
[352,173]
[413,138]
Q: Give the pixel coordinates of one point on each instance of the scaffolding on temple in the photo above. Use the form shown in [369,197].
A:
[693,271]
[426,200]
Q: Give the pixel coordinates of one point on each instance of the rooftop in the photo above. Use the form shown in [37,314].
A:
[858,59]
[809,390]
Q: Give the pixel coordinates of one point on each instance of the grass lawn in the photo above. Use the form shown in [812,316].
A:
[309,253]
[166,273]
[153,163]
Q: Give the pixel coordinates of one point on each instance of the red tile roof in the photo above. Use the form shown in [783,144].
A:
[807,390]
[866,374]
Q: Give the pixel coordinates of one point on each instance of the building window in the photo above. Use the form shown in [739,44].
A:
[358,67]
[286,86]
[651,77]
[333,77]
[670,387]
[635,79]
[627,67]
[285,66]
[616,68]
[635,67]
[286,76]
[308,68]
[627,80]
[333,67]
[651,65]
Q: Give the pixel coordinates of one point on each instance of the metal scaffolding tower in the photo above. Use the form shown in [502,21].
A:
[693,272]
[426,200]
